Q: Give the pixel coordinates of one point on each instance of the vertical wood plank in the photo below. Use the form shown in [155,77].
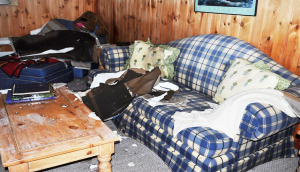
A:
[267,38]
[176,20]
[258,23]
[153,13]
[191,18]
[170,21]
[122,23]
[235,25]
[88,5]
[158,21]
[198,23]
[215,24]
[15,28]
[164,22]
[109,19]
[206,23]
[126,14]
[131,18]
[183,19]
[245,28]
[115,33]
[22,18]
[138,27]
[5,23]
[292,48]
[281,31]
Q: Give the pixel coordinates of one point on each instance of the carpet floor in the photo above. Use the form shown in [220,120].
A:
[132,156]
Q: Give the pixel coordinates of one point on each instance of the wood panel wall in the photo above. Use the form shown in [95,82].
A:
[274,30]
[33,14]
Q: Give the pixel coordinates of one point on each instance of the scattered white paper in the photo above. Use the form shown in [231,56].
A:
[94,116]
[93,167]
[4,91]
[166,86]
[58,85]
[155,100]
[64,50]
[4,41]
[120,137]
[5,53]
[103,77]
[64,106]
[131,164]
[134,145]
[36,31]
[126,150]
[79,95]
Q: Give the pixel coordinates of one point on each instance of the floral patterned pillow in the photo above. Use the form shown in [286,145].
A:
[243,75]
[147,56]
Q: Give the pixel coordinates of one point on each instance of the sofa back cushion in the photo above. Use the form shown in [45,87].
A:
[203,60]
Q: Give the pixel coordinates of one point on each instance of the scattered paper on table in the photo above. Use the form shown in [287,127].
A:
[58,85]
[4,91]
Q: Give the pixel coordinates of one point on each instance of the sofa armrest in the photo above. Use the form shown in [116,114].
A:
[114,58]
[295,90]
[263,120]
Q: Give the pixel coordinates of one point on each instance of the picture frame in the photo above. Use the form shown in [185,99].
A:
[235,7]
[8,3]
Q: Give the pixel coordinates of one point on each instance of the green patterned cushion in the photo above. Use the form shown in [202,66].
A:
[146,55]
[242,76]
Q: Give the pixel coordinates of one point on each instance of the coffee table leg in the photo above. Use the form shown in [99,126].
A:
[104,163]
[104,157]
[19,168]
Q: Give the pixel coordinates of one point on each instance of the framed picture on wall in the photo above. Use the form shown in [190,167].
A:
[237,7]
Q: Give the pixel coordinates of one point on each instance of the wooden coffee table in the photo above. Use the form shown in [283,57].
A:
[43,134]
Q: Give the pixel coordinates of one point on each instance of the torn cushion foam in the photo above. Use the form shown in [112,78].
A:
[146,55]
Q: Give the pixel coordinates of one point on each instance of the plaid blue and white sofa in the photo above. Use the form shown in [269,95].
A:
[265,132]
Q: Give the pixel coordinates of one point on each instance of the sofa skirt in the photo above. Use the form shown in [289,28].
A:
[179,157]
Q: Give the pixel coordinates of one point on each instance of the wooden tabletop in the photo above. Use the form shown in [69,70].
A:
[36,130]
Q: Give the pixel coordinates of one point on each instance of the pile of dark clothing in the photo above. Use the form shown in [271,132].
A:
[111,98]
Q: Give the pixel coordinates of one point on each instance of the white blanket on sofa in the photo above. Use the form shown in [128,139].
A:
[227,116]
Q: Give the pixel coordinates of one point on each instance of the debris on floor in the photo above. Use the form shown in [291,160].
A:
[131,164]
[93,167]
[134,145]
[120,137]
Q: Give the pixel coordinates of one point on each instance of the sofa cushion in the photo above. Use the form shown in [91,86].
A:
[242,76]
[146,55]
[208,142]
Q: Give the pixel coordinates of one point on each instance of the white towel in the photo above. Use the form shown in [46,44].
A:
[228,115]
